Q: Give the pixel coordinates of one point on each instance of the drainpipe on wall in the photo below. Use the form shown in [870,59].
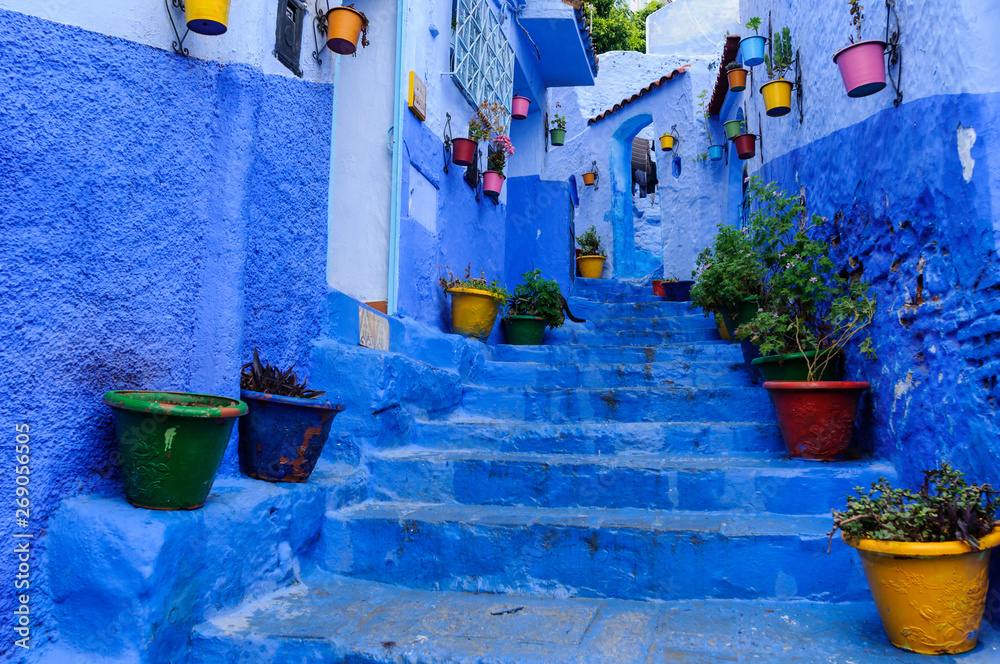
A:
[399,104]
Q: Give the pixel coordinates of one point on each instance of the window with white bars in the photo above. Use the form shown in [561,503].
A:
[482,60]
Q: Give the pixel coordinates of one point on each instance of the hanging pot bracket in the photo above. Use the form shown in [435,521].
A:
[798,86]
[893,52]
[446,138]
[320,23]
[178,43]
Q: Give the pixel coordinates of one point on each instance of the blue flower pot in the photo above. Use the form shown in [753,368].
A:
[715,152]
[281,438]
[752,50]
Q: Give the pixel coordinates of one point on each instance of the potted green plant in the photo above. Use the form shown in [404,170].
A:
[171,444]
[737,75]
[283,435]
[557,134]
[809,315]
[590,262]
[535,304]
[344,25]
[500,149]
[475,303]
[777,92]
[862,63]
[926,555]
[752,48]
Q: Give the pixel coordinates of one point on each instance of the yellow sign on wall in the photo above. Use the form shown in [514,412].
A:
[417,99]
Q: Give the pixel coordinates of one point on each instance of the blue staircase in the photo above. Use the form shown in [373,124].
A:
[618,495]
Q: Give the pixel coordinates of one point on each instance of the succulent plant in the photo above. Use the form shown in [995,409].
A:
[259,376]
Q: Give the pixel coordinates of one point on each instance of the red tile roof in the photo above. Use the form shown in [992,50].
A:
[729,52]
[639,95]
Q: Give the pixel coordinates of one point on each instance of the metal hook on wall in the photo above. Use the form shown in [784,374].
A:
[447,142]
[892,50]
[677,139]
[320,23]
[177,44]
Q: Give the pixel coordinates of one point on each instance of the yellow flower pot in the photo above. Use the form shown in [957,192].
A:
[590,267]
[473,312]
[207,17]
[777,97]
[667,143]
[588,179]
[343,29]
[930,595]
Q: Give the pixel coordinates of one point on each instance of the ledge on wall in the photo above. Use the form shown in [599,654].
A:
[729,52]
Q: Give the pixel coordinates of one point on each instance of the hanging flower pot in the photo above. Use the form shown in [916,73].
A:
[666,142]
[282,437]
[816,418]
[588,178]
[463,151]
[519,107]
[557,136]
[590,267]
[524,330]
[715,152]
[862,66]
[737,79]
[777,97]
[343,27]
[492,183]
[733,128]
[473,312]
[207,17]
[170,445]
[752,50]
[745,146]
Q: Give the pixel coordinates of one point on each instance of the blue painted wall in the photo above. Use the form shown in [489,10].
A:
[160,219]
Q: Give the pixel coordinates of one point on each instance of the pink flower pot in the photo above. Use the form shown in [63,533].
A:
[519,107]
[862,66]
[464,151]
[492,183]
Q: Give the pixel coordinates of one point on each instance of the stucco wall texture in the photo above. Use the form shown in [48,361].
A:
[159,221]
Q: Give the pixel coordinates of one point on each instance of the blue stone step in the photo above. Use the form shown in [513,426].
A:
[329,618]
[592,309]
[653,374]
[581,354]
[599,296]
[707,438]
[640,337]
[591,552]
[735,484]
[618,404]
[584,285]
[644,322]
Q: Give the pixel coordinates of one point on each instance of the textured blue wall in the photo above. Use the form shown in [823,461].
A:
[160,218]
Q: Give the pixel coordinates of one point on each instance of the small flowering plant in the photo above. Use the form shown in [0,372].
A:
[728,272]
[500,149]
[559,122]
[494,288]
[488,119]
[808,305]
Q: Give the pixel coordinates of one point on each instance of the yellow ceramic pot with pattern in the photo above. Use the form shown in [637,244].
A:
[473,312]
[930,595]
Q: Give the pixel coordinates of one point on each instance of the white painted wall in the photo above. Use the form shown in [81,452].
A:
[692,27]
[361,187]
[249,40]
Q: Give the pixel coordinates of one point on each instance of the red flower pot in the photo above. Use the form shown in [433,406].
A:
[519,107]
[746,146]
[816,418]
[463,151]
[492,183]
[658,287]
[862,66]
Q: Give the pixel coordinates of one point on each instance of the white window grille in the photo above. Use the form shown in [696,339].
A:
[483,61]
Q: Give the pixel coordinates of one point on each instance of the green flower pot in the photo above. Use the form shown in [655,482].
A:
[792,366]
[744,312]
[170,445]
[557,136]
[524,330]
[733,128]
